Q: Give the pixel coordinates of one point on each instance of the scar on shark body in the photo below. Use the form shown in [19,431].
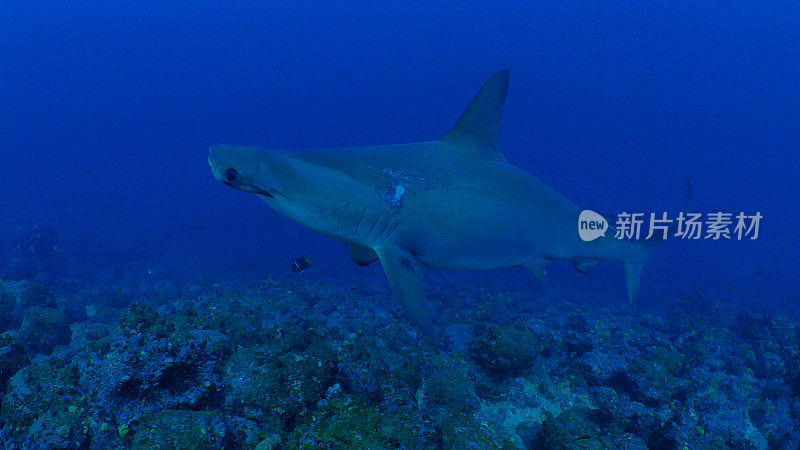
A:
[452,203]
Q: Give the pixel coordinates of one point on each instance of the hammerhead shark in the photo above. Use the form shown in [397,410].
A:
[452,203]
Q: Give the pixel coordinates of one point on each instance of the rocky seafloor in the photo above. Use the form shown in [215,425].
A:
[317,364]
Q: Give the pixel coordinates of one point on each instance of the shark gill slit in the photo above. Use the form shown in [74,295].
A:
[374,225]
[360,219]
[341,216]
[385,226]
[382,227]
[395,224]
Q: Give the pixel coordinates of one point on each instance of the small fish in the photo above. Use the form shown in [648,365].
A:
[300,264]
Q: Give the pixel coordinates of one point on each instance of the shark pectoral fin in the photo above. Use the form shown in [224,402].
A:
[582,264]
[404,272]
[633,275]
[539,269]
[363,256]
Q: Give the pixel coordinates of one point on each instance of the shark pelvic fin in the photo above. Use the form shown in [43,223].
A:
[363,256]
[480,124]
[404,272]
[582,265]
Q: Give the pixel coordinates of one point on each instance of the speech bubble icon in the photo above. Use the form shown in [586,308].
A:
[591,225]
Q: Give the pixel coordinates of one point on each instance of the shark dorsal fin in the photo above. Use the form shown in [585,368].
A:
[479,126]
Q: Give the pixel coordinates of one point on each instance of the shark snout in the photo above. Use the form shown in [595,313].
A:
[225,163]
[232,166]
[217,166]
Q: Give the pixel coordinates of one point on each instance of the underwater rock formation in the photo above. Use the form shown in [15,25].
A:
[284,364]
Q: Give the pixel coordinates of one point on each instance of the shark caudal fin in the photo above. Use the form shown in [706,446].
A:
[633,267]
[637,256]
[479,126]
[633,278]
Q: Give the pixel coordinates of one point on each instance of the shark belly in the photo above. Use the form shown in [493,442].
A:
[351,220]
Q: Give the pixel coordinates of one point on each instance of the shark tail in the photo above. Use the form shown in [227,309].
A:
[633,278]
[634,266]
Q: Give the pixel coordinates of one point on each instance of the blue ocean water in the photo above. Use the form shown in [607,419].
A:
[107,111]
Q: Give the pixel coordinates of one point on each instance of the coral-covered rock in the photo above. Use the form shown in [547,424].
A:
[12,358]
[43,402]
[43,329]
[182,429]
[572,428]
[462,431]
[447,384]
[30,293]
[279,384]
[8,307]
[346,422]
[506,350]
[293,364]
[141,317]
[17,296]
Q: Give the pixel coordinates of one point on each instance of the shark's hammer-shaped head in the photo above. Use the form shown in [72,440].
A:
[291,182]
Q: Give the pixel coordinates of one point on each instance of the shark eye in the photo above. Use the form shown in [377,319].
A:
[231,174]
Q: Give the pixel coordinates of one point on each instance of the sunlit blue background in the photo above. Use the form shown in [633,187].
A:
[107,110]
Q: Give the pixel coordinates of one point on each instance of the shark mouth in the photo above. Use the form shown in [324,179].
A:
[232,178]
[251,189]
